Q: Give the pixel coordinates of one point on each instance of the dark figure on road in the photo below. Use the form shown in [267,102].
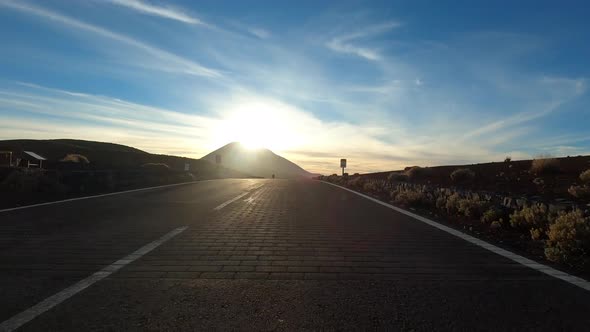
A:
[273,176]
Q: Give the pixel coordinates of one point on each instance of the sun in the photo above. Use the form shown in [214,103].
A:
[257,125]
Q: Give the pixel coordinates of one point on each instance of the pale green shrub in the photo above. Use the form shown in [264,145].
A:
[569,240]
[585,176]
[536,215]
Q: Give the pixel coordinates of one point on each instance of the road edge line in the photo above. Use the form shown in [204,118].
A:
[576,281]
[98,196]
[27,315]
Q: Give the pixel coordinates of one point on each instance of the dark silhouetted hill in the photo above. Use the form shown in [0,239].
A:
[112,156]
[257,162]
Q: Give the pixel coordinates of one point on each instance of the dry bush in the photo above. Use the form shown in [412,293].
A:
[30,182]
[490,215]
[569,240]
[397,177]
[371,187]
[585,176]
[462,175]
[356,182]
[507,159]
[545,165]
[452,204]
[417,172]
[529,217]
[497,224]
[472,208]
[579,191]
[441,203]
[411,198]
[76,158]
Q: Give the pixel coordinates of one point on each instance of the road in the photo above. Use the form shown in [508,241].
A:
[285,255]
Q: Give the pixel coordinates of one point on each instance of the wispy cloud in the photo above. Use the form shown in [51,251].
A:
[181,64]
[168,12]
[345,43]
[259,32]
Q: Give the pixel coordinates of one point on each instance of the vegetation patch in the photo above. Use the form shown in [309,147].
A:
[545,165]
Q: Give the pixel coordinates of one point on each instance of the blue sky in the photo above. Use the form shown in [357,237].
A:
[384,84]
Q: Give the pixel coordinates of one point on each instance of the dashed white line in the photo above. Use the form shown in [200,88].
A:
[226,203]
[25,316]
[502,252]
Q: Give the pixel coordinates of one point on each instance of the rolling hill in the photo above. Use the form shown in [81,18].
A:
[257,162]
[112,156]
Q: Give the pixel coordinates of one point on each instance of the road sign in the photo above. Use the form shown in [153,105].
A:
[343,163]
[187,167]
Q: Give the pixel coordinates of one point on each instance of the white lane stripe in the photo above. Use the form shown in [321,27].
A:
[224,204]
[25,316]
[502,252]
[101,195]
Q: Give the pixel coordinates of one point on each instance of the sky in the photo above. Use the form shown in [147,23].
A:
[384,84]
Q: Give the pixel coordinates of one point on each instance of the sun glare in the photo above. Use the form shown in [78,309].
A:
[257,125]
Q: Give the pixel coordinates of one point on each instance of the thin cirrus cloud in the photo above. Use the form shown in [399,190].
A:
[348,43]
[171,62]
[167,12]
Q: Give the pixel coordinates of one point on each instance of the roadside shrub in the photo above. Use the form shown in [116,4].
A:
[370,186]
[497,224]
[490,215]
[538,181]
[579,191]
[356,182]
[507,159]
[585,176]
[76,158]
[397,177]
[462,175]
[534,216]
[409,198]
[545,165]
[441,203]
[452,204]
[569,240]
[472,208]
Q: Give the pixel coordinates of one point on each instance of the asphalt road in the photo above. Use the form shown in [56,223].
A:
[285,255]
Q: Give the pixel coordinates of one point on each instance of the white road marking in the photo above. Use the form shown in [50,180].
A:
[25,316]
[101,195]
[502,252]
[224,204]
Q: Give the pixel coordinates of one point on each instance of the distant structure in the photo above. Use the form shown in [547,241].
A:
[31,159]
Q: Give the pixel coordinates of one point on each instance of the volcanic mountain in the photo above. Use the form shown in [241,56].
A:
[257,162]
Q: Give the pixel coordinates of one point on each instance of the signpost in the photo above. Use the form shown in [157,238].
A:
[343,165]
